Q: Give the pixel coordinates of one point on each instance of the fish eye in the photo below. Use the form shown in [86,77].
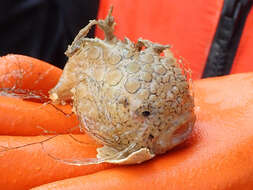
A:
[145,113]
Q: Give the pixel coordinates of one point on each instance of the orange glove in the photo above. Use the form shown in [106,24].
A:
[218,155]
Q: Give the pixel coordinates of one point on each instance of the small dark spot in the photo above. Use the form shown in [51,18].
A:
[145,113]
[125,102]
[150,136]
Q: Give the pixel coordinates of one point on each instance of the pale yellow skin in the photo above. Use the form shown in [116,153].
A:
[134,101]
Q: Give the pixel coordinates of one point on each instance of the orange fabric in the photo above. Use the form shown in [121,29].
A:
[244,58]
[218,155]
[189,26]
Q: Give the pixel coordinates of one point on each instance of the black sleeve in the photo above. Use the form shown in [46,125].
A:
[227,37]
[43,28]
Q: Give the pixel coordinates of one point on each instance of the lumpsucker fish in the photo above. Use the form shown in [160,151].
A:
[133,98]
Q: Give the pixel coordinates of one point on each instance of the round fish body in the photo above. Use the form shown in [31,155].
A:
[134,98]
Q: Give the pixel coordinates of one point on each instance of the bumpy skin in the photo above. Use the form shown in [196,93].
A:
[128,96]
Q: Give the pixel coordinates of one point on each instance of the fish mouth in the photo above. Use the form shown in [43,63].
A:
[181,134]
[175,134]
